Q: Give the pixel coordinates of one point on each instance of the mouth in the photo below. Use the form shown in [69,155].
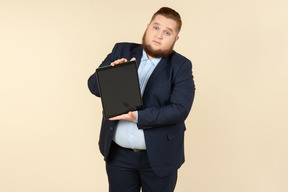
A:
[157,42]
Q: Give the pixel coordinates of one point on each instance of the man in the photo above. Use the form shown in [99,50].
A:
[145,148]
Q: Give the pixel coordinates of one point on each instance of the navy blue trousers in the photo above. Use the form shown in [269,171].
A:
[130,171]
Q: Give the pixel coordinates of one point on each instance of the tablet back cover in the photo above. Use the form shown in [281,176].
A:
[119,89]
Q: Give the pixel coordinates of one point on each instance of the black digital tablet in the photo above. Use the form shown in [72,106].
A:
[119,89]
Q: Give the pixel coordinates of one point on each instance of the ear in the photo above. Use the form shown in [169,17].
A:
[177,38]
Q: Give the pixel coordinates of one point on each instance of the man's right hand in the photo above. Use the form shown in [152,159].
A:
[123,60]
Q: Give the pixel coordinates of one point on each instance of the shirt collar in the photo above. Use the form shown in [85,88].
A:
[155,61]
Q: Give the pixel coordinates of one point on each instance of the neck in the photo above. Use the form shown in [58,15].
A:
[150,57]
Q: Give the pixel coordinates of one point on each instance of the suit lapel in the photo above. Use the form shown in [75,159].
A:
[137,53]
[162,65]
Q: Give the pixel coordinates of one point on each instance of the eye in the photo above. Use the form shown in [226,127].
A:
[156,28]
[167,33]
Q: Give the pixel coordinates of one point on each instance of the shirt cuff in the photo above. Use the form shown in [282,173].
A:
[136,120]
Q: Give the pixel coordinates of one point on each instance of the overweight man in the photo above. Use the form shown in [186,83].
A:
[144,149]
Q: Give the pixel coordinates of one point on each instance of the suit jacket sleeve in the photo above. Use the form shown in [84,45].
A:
[177,107]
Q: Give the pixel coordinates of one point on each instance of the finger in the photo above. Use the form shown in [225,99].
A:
[118,61]
[119,117]
[115,62]
[130,113]
[113,118]
[133,59]
[123,60]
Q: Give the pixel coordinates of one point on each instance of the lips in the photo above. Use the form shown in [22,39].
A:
[157,42]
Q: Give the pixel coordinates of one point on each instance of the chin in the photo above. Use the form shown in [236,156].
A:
[155,50]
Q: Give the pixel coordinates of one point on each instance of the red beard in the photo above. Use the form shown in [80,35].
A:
[155,53]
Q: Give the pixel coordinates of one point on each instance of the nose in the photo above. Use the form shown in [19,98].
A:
[160,35]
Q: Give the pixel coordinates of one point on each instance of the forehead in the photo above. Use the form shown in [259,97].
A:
[164,22]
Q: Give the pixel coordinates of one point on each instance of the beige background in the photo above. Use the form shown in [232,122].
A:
[237,135]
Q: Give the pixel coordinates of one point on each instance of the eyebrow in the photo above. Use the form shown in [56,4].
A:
[170,29]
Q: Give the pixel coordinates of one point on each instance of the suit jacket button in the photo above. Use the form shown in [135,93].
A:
[111,128]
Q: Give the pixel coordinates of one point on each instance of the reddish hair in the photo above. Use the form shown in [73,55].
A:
[170,14]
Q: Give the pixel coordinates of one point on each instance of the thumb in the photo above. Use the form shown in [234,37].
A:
[133,59]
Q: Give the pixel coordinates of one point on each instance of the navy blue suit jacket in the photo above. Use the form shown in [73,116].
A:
[167,100]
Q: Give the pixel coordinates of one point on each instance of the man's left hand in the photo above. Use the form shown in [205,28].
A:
[130,116]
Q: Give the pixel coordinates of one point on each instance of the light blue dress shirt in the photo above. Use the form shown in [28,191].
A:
[127,134]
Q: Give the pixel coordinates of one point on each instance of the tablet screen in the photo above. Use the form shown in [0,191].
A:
[119,89]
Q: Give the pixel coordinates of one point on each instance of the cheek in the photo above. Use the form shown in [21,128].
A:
[149,34]
[148,39]
[169,43]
